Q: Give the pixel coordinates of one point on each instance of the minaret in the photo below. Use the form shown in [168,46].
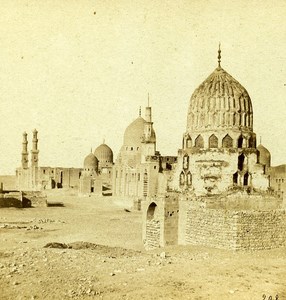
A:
[35,151]
[149,124]
[149,140]
[25,151]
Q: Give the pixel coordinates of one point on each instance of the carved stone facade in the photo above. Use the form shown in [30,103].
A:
[219,193]
[219,145]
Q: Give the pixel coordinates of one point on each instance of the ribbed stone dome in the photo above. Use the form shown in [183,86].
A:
[220,102]
[90,162]
[104,153]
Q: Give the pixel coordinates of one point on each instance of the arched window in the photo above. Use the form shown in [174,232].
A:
[182,178]
[235,178]
[185,162]
[245,179]
[189,179]
[151,211]
[251,142]
[199,142]
[227,142]
[189,142]
[240,162]
[213,141]
[240,142]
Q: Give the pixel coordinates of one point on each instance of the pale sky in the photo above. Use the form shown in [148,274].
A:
[79,70]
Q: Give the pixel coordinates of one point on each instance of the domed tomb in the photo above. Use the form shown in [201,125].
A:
[134,133]
[220,103]
[104,154]
[90,163]
[264,156]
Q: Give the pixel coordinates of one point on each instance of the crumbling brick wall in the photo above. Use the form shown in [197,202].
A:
[236,230]
[152,234]
[210,227]
[259,230]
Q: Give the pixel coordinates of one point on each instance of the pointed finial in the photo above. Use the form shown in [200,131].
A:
[140,111]
[103,142]
[91,150]
[148,99]
[260,140]
[219,56]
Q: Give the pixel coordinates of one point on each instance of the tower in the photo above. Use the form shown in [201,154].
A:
[149,137]
[35,151]
[25,151]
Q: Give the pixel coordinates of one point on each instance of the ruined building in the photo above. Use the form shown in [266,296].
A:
[219,192]
[32,177]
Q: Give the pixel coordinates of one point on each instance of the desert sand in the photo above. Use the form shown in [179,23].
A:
[100,255]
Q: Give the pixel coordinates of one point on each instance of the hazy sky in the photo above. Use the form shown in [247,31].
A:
[79,70]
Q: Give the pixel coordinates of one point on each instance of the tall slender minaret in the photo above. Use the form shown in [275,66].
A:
[148,128]
[149,140]
[35,151]
[25,151]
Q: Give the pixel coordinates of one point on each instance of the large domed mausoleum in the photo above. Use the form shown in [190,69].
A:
[219,145]
[219,193]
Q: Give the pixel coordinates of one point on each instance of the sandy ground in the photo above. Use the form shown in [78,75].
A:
[105,259]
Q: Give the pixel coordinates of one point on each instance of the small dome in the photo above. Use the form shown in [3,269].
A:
[220,102]
[90,162]
[104,153]
[134,132]
[264,156]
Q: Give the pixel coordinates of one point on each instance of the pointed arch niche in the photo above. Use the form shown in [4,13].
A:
[182,178]
[213,141]
[199,142]
[227,142]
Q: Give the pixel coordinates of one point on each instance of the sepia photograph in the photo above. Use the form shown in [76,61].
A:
[142,151]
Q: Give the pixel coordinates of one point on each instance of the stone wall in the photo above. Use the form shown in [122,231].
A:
[259,230]
[171,210]
[236,230]
[37,198]
[14,199]
[212,228]
[152,234]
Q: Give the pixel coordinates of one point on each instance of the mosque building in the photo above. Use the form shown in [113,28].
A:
[32,177]
[95,176]
[97,171]
[219,193]
[139,164]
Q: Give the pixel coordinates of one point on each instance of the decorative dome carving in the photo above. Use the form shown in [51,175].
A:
[104,153]
[220,103]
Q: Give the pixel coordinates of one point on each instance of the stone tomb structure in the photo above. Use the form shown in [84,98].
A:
[219,193]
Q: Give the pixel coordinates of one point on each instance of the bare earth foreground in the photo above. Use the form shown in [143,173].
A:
[101,257]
